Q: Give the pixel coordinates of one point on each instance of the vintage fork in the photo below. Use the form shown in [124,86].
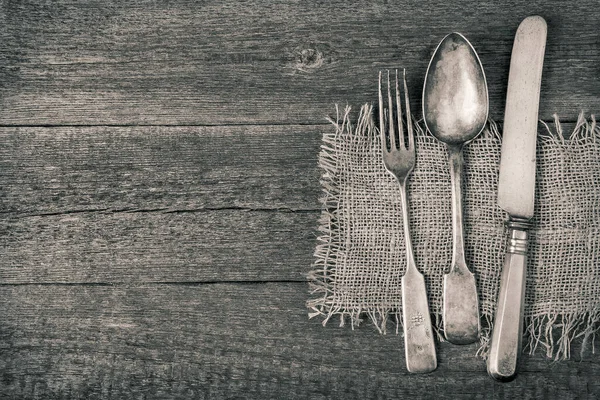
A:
[399,160]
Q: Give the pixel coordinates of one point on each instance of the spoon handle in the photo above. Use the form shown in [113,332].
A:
[461,305]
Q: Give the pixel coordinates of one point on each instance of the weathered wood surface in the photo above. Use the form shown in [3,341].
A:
[62,170]
[161,204]
[154,234]
[157,246]
[231,341]
[188,62]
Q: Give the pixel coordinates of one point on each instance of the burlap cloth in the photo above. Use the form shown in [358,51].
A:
[360,255]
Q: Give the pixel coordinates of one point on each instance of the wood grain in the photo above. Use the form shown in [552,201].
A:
[231,341]
[146,202]
[157,246]
[54,170]
[188,62]
[159,204]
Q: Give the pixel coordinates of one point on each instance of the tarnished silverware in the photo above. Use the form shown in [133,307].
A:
[398,148]
[455,110]
[516,190]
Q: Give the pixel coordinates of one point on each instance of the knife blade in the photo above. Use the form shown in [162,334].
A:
[516,191]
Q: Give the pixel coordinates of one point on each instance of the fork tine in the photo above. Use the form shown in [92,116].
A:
[409,127]
[381,118]
[401,140]
[391,130]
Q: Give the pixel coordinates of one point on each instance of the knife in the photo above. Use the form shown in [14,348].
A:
[516,191]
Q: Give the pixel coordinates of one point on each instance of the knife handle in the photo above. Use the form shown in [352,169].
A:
[508,325]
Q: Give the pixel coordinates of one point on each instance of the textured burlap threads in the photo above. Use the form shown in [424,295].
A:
[360,257]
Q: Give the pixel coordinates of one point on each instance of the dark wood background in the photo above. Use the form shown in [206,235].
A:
[159,192]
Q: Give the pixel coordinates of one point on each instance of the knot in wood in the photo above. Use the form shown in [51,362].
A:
[309,59]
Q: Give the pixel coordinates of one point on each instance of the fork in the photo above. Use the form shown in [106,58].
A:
[399,160]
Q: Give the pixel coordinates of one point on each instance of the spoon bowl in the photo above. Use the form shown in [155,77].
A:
[455,110]
[455,95]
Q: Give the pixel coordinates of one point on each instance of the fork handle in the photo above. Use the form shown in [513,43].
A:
[508,323]
[419,345]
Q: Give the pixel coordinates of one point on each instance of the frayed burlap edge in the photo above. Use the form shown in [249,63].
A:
[328,245]
[553,332]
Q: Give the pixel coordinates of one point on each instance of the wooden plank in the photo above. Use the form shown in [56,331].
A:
[158,246]
[56,170]
[131,204]
[231,341]
[184,62]
[159,204]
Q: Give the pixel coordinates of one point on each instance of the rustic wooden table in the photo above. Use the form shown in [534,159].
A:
[159,192]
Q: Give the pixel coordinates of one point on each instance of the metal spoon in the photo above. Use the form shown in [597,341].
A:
[455,110]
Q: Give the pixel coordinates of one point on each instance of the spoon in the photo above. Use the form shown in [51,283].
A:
[455,110]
